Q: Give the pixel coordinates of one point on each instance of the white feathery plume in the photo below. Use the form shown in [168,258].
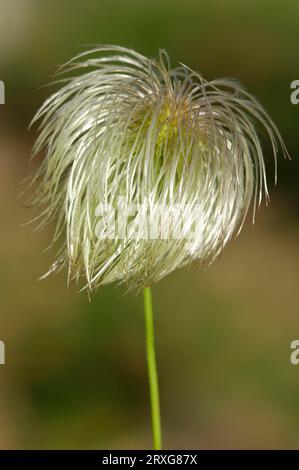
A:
[132,129]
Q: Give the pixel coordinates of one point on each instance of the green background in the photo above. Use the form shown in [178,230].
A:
[75,372]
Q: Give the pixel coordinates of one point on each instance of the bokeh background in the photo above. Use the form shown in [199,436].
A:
[75,373]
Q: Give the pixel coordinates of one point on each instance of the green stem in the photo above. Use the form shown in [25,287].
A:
[152,368]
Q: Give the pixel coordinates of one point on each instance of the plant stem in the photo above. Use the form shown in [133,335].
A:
[152,368]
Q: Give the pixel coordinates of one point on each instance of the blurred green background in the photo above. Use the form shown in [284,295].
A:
[75,373]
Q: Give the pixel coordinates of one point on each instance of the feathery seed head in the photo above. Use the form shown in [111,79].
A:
[147,168]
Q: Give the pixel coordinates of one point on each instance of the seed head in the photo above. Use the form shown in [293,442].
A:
[147,168]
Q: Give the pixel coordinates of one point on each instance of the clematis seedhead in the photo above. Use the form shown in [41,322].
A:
[147,168]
